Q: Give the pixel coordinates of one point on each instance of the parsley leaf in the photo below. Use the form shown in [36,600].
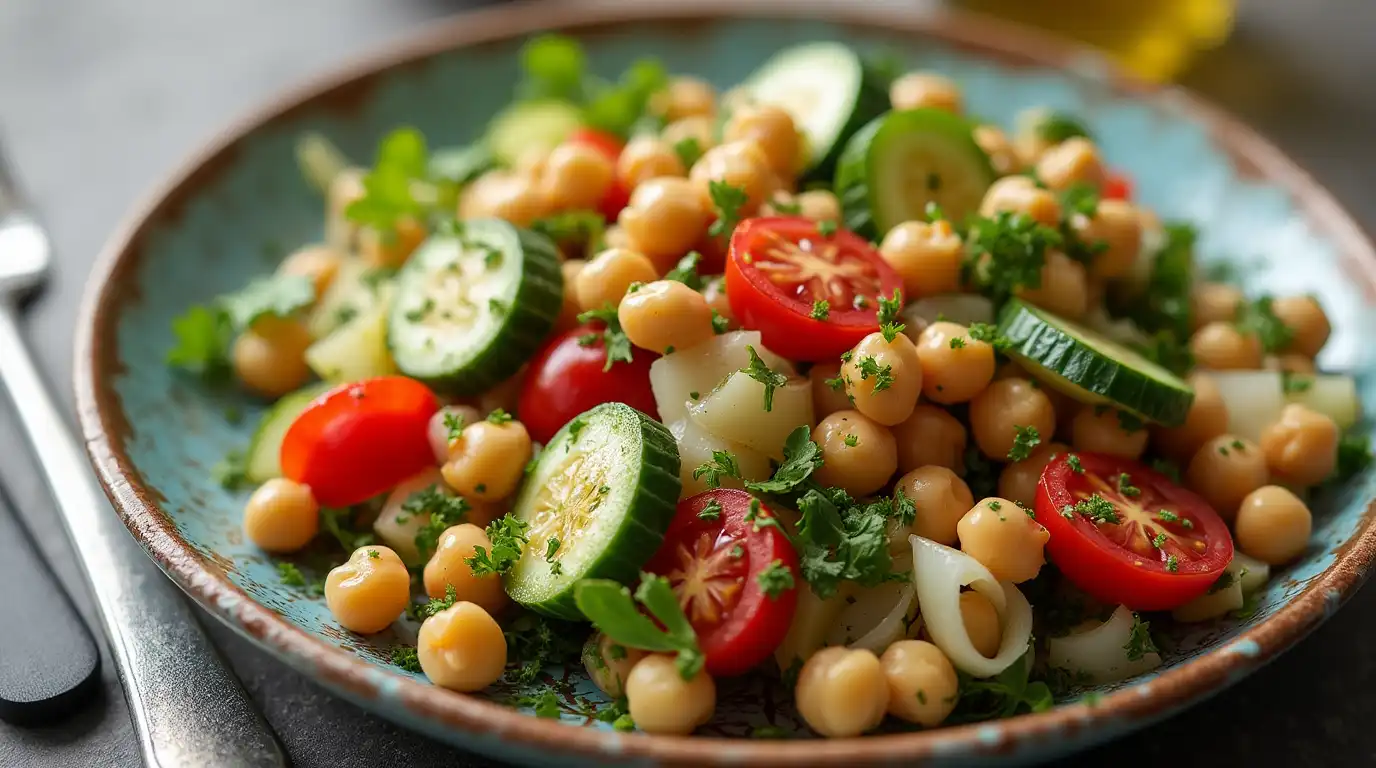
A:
[723,464]
[1096,508]
[689,150]
[1139,642]
[775,579]
[276,296]
[613,612]
[1354,456]
[613,339]
[883,376]
[802,458]
[1056,127]
[204,335]
[821,309]
[1126,487]
[1024,440]
[290,575]
[453,426]
[1259,319]
[1164,305]
[583,229]
[711,510]
[499,416]
[686,271]
[760,372]
[340,524]
[888,311]
[728,201]
[508,537]
[826,227]
[1007,252]
[393,186]
[1003,695]
[534,642]
[231,472]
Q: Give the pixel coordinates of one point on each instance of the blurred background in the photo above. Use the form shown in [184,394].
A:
[99,100]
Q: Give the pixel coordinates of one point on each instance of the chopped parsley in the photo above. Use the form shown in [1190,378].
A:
[555,67]
[1056,127]
[1097,508]
[1074,463]
[723,464]
[1159,540]
[710,511]
[613,612]
[1139,642]
[957,342]
[1025,438]
[1001,696]
[1172,563]
[534,642]
[499,417]
[1007,252]
[775,579]
[204,335]
[686,271]
[689,150]
[851,440]
[821,309]
[543,704]
[551,547]
[826,228]
[276,296]
[508,537]
[441,511]
[582,229]
[760,372]
[340,523]
[728,201]
[290,575]
[1167,468]
[1258,318]
[453,426]
[883,375]
[720,324]
[231,472]
[1129,422]
[889,309]
[614,340]
[1296,383]
[1126,487]
[1224,581]
[404,656]
[575,428]
[1354,456]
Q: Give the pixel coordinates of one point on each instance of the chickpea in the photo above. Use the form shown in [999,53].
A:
[488,460]
[448,568]
[922,683]
[1018,480]
[931,436]
[883,378]
[917,90]
[661,701]
[664,219]
[701,130]
[318,263]
[576,176]
[825,399]
[274,365]
[369,592]
[685,97]
[645,158]
[770,127]
[1002,155]
[1207,418]
[1220,346]
[941,498]
[569,311]
[1306,319]
[815,204]
[860,468]
[714,291]
[1115,224]
[927,257]
[508,195]
[438,429]
[740,164]
[604,281]
[1073,161]
[1064,287]
[1302,447]
[1289,363]
[532,162]
[1004,407]
[615,237]
[462,648]
[1101,429]
[609,663]
[1224,470]
[1214,303]
[1019,194]
[981,623]
[391,249]
[842,692]
[665,315]
[955,367]
[281,516]
[1273,525]
[1004,539]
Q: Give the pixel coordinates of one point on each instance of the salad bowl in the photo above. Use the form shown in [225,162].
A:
[230,213]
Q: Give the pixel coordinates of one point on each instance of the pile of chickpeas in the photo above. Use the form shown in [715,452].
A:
[866,436]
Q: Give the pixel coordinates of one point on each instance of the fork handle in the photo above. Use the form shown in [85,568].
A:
[188,709]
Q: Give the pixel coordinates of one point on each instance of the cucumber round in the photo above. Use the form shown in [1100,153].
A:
[470,309]
[264,459]
[904,160]
[1090,368]
[606,487]
[830,93]
[530,125]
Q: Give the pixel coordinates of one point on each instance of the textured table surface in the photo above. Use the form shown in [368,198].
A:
[98,100]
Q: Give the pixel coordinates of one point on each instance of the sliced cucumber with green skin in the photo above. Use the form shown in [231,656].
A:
[904,160]
[830,92]
[528,125]
[1090,368]
[470,309]
[264,460]
[606,489]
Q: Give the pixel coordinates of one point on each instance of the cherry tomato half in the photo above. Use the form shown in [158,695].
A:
[617,195]
[778,268]
[567,378]
[1118,186]
[714,562]
[359,440]
[1158,547]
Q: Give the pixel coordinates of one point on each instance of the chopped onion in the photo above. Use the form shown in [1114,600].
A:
[939,573]
[1333,395]
[811,621]
[963,308]
[876,618]
[1254,400]
[1101,652]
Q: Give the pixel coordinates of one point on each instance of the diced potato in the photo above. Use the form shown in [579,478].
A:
[356,350]
[398,529]
[1254,398]
[673,378]
[348,296]
[735,411]
[695,446]
[1333,395]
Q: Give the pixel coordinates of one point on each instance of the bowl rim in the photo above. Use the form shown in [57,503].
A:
[105,427]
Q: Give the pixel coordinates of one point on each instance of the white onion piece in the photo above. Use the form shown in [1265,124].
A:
[963,308]
[1254,399]
[875,618]
[1333,395]
[1101,652]
[700,368]
[939,572]
[695,446]
[811,620]
[735,411]
[1251,572]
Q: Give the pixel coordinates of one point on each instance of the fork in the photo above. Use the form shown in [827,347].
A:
[187,708]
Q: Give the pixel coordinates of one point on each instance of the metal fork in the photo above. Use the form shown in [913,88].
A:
[188,709]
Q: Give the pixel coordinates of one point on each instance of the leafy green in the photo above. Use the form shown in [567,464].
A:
[802,458]
[614,340]
[1259,319]
[583,229]
[1024,440]
[534,642]
[231,472]
[1354,456]
[882,375]
[204,335]
[1004,695]
[775,579]
[1139,642]
[423,611]
[399,184]
[1164,305]
[405,656]
[728,201]
[508,536]
[442,511]
[461,165]
[555,67]
[686,271]
[1056,127]
[821,310]
[291,575]
[689,150]
[613,612]
[340,523]
[762,373]
[723,464]
[1007,252]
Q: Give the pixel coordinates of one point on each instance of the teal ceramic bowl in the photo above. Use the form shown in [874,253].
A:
[235,207]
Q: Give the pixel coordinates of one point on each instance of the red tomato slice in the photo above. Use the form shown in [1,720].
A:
[714,567]
[779,267]
[617,195]
[567,378]
[1118,186]
[1166,547]
[359,440]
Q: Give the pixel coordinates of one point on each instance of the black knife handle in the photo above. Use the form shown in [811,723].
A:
[48,659]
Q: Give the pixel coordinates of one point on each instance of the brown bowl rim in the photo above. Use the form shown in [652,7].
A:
[105,428]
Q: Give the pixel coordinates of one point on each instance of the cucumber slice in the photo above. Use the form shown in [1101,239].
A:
[607,491]
[528,125]
[1091,368]
[264,458]
[902,161]
[830,92]
[472,308]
